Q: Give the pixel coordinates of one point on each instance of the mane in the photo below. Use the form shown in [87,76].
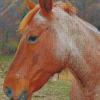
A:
[65,6]
[26,20]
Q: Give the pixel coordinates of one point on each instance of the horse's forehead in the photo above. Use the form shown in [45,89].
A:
[37,23]
[40,21]
[57,21]
[38,18]
[57,13]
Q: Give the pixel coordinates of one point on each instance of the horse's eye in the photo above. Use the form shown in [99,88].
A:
[32,38]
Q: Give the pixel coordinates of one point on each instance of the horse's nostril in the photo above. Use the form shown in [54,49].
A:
[23,95]
[8,91]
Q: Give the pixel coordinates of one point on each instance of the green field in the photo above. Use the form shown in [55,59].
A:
[4,64]
[53,90]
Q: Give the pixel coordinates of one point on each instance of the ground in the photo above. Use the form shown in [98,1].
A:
[53,90]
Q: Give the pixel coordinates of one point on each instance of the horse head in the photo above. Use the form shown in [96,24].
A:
[54,38]
[41,51]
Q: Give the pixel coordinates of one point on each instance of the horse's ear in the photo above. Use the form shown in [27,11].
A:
[46,6]
[30,4]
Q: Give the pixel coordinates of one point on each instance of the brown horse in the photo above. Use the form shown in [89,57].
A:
[55,38]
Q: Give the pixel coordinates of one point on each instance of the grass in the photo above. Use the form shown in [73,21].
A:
[4,64]
[54,90]
[6,58]
[58,85]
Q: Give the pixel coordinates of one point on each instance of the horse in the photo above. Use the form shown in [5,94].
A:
[54,38]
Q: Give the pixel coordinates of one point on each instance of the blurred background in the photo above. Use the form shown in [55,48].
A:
[11,14]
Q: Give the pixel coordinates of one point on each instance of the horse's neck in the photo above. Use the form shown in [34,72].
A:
[81,41]
[85,58]
[87,73]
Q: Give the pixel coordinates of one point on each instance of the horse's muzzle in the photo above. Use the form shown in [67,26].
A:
[8,91]
[23,96]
